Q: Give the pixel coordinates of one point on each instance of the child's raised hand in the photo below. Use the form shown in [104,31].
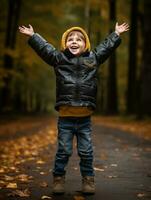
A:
[27,31]
[121,28]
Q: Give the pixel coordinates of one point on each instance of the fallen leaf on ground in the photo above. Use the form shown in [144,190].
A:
[8,178]
[75,168]
[98,169]
[140,195]
[113,165]
[46,197]
[78,198]
[44,184]
[112,176]
[42,173]
[2,183]
[31,158]
[24,177]
[11,185]
[2,170]
[13,168]
[20,193]
[40,162]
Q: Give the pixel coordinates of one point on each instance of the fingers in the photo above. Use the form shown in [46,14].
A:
[25,28]
[122,28]
[21,28]
[30,26]
[125,25]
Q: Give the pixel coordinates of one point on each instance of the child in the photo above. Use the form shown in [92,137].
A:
[75,67]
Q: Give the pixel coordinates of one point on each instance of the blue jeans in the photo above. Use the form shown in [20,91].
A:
[81,128]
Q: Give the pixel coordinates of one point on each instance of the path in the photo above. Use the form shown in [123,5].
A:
[122,166]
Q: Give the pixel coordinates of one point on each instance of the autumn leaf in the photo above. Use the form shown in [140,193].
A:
[42,173]
[14,153]
[8,178]
[2,170]
[44,184]
[2,183]
[98,169]
[13,168]
[40,162]
[46,197]
[24,177]
[78,198]
[20,193]
[30,158]
[113,165]
[112,176]
[11,185]
[140,195]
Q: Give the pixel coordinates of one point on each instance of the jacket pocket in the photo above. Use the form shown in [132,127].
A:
[89,62]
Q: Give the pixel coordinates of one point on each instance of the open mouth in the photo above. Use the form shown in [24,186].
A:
[74,47]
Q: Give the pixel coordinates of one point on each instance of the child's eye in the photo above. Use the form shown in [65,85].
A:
[70,39]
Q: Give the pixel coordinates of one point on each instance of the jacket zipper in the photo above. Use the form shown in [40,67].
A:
[77,95]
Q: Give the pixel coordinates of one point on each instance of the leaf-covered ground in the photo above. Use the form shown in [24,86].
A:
[28,145]
[141,128]
[22,141]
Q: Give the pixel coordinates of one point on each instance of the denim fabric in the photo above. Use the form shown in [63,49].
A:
[68,127]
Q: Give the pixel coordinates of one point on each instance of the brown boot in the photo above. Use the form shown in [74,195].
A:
[58,184]
[88,186]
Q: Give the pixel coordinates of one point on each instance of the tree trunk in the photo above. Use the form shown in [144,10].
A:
[10,41]
[132,84]
[100,78]
[112,107]
[87,16]
[146,65]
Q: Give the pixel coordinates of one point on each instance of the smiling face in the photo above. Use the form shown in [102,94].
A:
[76,43]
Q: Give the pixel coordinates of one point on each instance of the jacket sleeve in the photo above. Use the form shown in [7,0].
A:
[45,50]
[105,48]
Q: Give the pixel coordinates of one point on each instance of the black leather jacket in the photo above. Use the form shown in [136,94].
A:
[76,81]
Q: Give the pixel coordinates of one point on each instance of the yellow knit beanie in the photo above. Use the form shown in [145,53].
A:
[76,28]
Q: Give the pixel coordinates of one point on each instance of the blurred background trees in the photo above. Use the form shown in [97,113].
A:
[27,84]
